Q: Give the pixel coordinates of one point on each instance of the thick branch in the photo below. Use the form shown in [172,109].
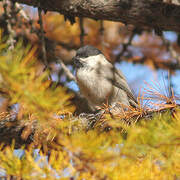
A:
[143,13]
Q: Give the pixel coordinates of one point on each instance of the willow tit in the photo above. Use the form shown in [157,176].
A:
[99,81]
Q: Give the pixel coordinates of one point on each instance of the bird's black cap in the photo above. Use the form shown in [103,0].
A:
[87,51]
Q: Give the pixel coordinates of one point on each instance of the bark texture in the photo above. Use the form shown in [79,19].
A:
[157,14]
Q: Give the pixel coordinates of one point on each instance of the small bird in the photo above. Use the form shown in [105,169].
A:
[99,81]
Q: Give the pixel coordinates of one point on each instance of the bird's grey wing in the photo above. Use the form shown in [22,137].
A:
[120,82]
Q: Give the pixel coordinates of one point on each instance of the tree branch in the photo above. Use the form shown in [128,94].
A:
[24,132]
[156,14]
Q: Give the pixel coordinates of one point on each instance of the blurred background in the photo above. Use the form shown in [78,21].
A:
[145,57]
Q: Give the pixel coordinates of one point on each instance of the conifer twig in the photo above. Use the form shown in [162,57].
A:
[175,56]
[22,12]
[81,23]
[125,45]
[101,30]
[8,17]
[67,71]
[171,50]
[42,37]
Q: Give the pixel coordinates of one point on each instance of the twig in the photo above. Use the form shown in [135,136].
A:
[101,30]
[24,15]
[67,71]
[42,37]
[175,56]
[8,17]
[22,12]
[81,22]
[171,50]
[125,45]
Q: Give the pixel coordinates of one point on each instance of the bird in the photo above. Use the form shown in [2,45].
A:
[99,81]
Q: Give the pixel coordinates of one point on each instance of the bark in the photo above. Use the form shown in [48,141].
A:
[157,14]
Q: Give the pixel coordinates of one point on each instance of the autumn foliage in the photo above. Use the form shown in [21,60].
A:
[43,134]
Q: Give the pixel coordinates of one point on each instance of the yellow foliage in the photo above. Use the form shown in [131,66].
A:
[145,150]
[33,92]
[58,29]
[150,151]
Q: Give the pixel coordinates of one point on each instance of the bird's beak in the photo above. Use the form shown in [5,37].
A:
[77,62]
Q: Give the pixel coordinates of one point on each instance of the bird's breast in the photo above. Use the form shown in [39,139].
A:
[93,86]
